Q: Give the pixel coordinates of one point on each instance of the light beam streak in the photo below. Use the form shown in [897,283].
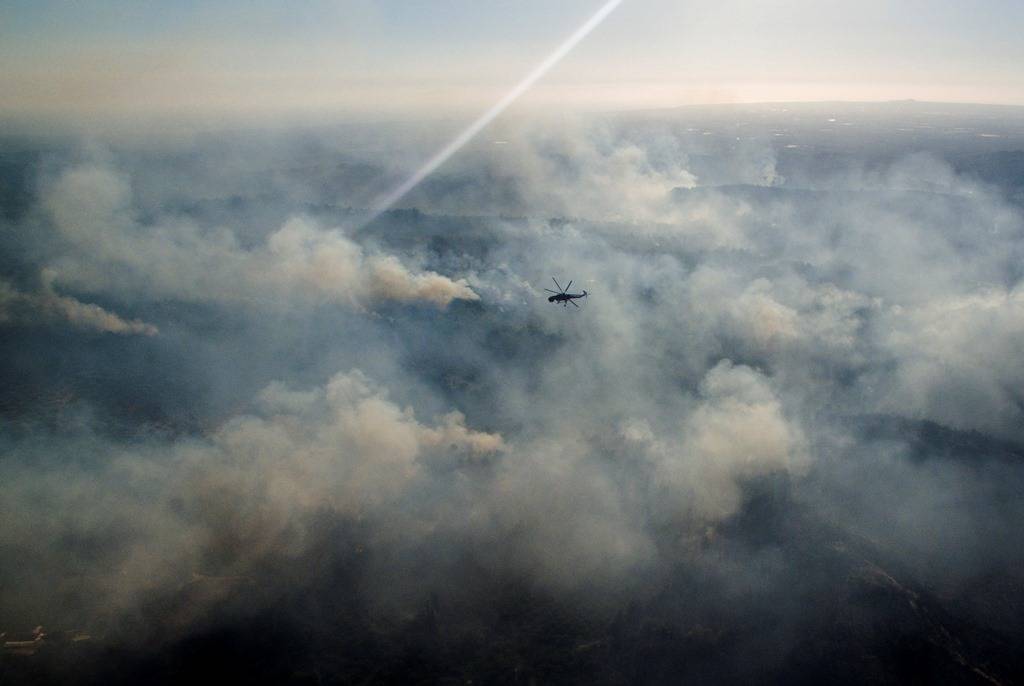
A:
[442,155]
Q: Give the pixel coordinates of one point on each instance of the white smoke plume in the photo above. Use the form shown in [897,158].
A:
[91,206]
[46,305]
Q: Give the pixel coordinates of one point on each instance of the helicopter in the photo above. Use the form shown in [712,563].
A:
[563,296]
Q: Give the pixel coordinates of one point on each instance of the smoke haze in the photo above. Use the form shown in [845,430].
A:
[781,440]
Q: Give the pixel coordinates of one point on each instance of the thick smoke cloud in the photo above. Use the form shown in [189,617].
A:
[147,515]
[787,414]
[174,258]
[737,432]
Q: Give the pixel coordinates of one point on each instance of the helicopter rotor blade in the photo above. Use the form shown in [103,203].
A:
[570,285]
[551,291]
[574,304]
[560,289]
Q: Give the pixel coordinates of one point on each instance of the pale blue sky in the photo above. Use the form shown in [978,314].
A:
[406,56]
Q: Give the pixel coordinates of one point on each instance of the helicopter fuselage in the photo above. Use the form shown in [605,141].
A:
[564,297]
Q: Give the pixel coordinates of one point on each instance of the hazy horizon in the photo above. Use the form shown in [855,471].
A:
[360,57]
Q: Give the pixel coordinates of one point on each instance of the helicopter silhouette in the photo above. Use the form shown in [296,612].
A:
[563,296]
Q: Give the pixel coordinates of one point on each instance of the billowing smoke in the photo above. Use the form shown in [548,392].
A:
[174,258]
[163,511]
[782,433]
[737,432]
[19,307]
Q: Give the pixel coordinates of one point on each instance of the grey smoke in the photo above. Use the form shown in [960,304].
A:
[745,335]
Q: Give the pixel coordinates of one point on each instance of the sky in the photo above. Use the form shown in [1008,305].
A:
[406,58]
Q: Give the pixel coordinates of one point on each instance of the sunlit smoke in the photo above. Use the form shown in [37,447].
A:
[442,156]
